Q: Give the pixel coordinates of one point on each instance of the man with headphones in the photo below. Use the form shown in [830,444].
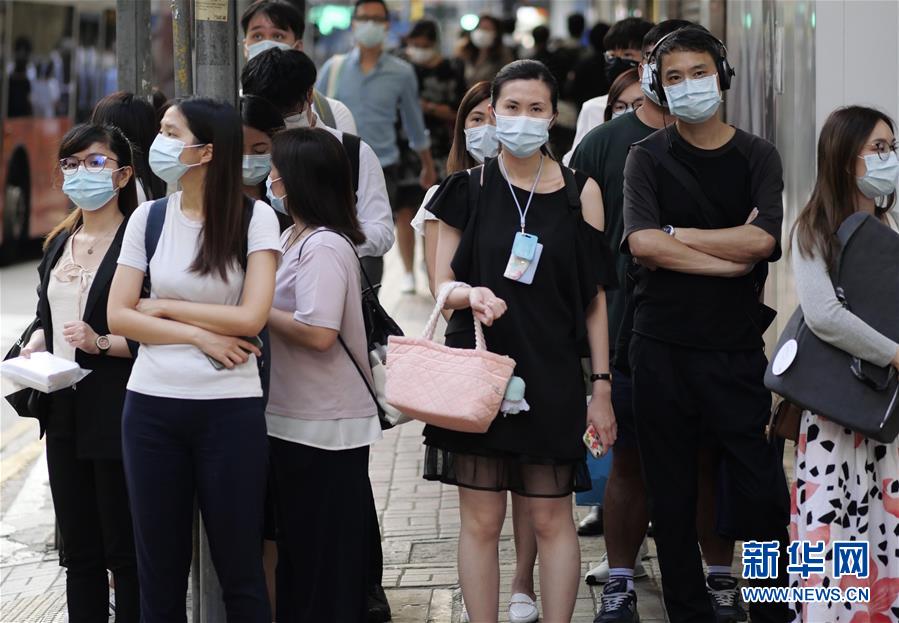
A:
[702,214]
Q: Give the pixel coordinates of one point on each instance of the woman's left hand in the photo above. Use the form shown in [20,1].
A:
[80,335]
[601,415]
[152,307]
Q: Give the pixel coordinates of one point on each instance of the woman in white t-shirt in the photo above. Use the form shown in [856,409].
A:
[194,424]
[321,417]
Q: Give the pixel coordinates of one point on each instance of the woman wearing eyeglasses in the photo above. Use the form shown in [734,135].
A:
[625,95]
[84,448]
[846,485]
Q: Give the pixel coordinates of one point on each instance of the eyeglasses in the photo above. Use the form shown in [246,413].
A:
[93,163]
[621,106]
[375,20]
[883,149]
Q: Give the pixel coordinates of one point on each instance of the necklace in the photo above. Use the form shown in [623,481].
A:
[104,238]
[293,239]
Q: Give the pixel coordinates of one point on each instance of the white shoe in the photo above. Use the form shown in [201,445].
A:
[600,573]
[407,285]
[523,609]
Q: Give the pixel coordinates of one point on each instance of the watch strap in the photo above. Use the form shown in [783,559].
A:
[605,376]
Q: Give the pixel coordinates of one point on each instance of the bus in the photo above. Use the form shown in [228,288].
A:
[58,60]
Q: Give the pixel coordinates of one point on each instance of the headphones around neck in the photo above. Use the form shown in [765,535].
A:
[725,71]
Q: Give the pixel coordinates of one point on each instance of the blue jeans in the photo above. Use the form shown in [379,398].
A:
[216,451]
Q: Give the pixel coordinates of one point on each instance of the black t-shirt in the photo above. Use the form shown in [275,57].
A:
[601,155]
[694,310]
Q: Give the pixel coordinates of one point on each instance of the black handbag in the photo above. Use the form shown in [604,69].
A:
[27,402]
[830,382]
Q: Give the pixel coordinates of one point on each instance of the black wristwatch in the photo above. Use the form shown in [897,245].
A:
[103,344]
[605,376]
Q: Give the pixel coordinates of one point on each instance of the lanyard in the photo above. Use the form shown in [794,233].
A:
[522,213]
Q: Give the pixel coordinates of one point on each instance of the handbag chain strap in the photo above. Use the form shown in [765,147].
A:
[445,290]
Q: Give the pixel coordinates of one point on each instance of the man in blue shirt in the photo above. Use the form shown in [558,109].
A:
[374,86]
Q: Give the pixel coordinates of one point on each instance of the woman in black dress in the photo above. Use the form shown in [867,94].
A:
[544,326]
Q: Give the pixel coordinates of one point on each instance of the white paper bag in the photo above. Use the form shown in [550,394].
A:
[43,371]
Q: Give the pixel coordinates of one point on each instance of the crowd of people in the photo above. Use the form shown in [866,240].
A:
[224,329]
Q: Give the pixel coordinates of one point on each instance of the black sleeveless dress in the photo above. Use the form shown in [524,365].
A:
[538,453]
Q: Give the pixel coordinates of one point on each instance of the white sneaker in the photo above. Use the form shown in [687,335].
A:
[407,285]
[523,609]
[600,573]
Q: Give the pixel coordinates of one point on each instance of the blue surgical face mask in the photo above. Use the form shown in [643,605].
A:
[694,101]
[481,142]
[521,136]
[646,83]
[276,202]
[369,34]
[256,168]
[259,47]
[90,191]
[881,176]
[165,158]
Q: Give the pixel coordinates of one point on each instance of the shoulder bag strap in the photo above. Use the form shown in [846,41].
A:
[323,108]
[352,144]
[571,189]
[686,178]
[152,234]
[334,76]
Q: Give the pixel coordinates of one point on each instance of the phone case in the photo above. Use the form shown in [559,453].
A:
[594,445]
[528,276]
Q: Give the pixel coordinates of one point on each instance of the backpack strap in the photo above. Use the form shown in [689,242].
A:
[323,108]
[152,234]
[334,75]
[571,188]
[352,144]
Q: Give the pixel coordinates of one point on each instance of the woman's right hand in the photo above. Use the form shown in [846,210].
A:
[485,305]
[34,345]
[895,361]
[227,350]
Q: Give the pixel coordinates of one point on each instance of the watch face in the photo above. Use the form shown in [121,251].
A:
[103,342]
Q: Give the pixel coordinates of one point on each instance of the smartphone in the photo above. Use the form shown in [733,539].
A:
[255,341]
[594,445]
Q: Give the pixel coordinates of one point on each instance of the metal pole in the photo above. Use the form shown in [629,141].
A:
[133,53]
[216,77]
[182,27]
[216,44]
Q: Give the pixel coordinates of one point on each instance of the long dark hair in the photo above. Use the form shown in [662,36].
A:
[459,159]
[137,119]
[218,124]
[315,170]
[80,138]
[835,196]
[622,83]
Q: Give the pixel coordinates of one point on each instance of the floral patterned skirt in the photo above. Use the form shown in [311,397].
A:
[847,489]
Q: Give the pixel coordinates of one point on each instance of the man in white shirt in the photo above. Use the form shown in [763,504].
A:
[286,79]
[271,24]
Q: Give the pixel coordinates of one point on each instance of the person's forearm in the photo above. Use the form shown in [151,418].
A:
[746,244]
[427,162]
[598,339]
[235,320]
[432,229]
[118,347]
[146,329]
[283,324]
[657,249]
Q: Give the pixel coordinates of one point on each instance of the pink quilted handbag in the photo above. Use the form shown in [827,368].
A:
[454,388]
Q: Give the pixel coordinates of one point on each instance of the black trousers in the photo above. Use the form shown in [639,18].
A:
[323,533]
[680,395]
[217,452]
[91,504]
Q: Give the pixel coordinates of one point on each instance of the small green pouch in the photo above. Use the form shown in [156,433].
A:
[515,389]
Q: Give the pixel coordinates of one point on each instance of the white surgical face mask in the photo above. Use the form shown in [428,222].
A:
[369,34]
[259,47]
[165,158]
[297,120]
[256,168]
[646,83]
[276,202]
[481,142]
[881,177]
[420,56]
[521,136]
[481,38]
[694,101]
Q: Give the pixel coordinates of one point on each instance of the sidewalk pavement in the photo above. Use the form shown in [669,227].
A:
[419,522]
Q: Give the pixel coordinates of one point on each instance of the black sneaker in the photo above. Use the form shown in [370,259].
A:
[378,606]
[618,605]
[723,592]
